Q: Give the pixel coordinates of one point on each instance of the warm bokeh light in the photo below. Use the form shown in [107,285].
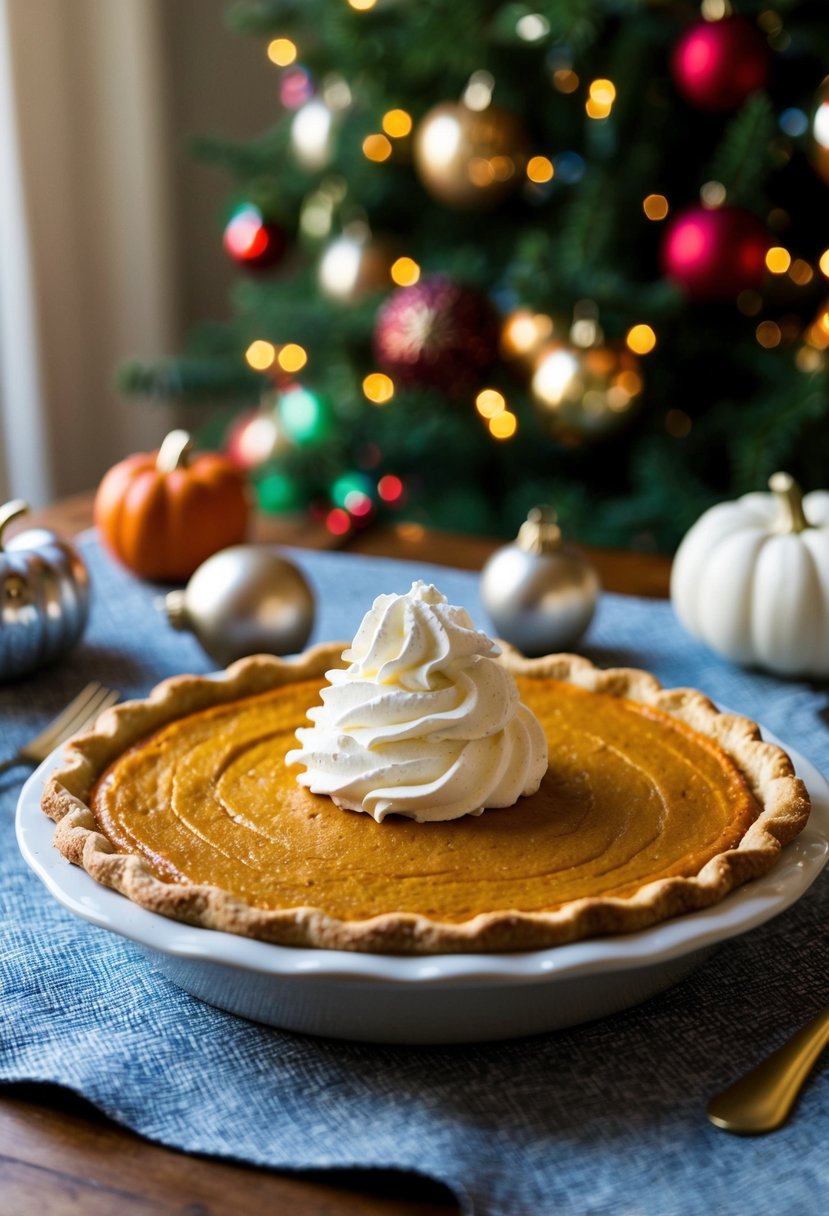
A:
[376,147]
[655,206]
[503,425]
[801,272]
[597,109]
[292,358]
[260,355]
[712,195]
[489,403]
[390,488]
[362,6]
[378,388]
[397,123]
[540,169]
[565,80]
[641,339]
[282,52]
[824,263]
[525,332]
[602,92]
[768,334]
[778,259]
[358,504]
[405,272]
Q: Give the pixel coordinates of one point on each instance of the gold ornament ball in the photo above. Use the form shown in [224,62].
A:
[244,600]
[354,266]
[585,395]
[540,595]
[469,159]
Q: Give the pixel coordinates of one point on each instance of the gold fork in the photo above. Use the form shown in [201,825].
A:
[81,712]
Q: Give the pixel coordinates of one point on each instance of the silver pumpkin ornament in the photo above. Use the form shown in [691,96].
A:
[244,600]
[44,586]
[540,594]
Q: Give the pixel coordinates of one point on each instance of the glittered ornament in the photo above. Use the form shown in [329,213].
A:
[715,254]
[468,159]
[819,132]
[540,594]
[252,241]
[353,266]
[244,600]
[585,395]
[44,590]
[716,65]
[437,333]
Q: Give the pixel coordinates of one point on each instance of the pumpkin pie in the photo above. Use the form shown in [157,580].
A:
[654,804]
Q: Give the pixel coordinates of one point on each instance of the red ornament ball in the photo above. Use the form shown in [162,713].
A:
[716,65]
[714,255]
[437,334]
[252,241]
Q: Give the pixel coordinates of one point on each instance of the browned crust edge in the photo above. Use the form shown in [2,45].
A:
[782,797]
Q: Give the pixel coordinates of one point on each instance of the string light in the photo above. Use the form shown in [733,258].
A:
[712,195]
[503,425]
[490,403]
[655,206]
[603,92]
[641,339]
[540,169]
[292,357]
[260,355]
[532,27]
[397,123]
[778,259]
[768,334]
[824,263]
[565,80]
[478,92]
[338,522]
[362,6]
[405,272]
[282,52]
[376,147]
[390,488]
[800,272]
[378,388]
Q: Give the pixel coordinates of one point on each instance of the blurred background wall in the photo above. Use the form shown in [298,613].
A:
[107,228]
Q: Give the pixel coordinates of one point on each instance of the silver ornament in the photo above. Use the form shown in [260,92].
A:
[540,595]
[244,600]
[44,590]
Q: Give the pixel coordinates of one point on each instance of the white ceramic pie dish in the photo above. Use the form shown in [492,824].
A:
[456,998]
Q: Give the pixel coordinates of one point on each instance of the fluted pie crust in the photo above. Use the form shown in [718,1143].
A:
[655,804]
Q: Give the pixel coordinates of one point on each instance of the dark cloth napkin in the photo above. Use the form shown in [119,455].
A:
[606,1118]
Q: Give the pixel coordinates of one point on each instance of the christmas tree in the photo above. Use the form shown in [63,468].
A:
[496,253]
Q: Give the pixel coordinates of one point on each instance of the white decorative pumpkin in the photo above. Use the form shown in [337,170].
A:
[751,579]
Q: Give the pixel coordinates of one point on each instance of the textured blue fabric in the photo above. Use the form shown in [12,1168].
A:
[604,1119]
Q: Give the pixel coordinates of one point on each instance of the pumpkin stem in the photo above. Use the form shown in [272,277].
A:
[174,604]
[791,516]
[540,533]
[10,511]
[174,452]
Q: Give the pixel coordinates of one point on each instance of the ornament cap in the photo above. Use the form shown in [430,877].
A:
[8,512]
[791,516]
[174,604]
[540,532]
[174,452]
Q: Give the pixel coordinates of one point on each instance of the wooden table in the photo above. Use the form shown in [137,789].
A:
[58,1155]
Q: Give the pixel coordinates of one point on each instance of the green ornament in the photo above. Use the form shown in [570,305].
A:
[306,416]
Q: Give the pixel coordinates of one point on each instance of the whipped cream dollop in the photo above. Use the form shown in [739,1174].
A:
[423,722]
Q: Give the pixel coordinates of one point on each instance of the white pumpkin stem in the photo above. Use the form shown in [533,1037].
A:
[791,517]
[174,452]
[540,532]
[8,512]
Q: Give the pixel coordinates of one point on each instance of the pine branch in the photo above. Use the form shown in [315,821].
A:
[741,161]
[190,380]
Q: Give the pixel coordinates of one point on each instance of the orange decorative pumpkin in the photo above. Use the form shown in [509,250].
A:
[163,513]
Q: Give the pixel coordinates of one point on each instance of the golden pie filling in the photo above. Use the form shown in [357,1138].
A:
[631,795]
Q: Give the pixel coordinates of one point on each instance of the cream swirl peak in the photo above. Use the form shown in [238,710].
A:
[423,722]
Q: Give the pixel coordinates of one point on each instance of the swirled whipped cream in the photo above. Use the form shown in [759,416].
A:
[423,722]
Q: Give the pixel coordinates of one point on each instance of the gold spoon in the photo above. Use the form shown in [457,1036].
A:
[762,1099]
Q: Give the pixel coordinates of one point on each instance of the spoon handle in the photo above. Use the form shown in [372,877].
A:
[762,1099]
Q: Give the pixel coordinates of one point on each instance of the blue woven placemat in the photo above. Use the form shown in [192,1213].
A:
[606,1118]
